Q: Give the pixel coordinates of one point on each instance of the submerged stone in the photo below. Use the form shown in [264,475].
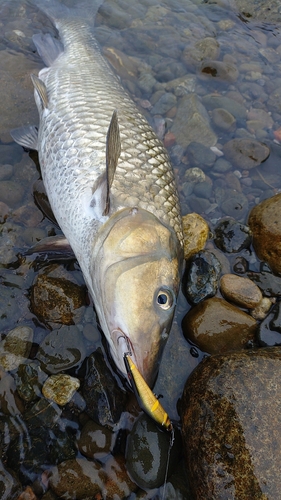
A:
[15,348]
[60,388]
[232,236]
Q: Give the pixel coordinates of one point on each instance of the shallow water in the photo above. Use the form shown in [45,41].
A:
[150,44]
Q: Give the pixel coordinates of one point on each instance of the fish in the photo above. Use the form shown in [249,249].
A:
[145,397]
[111,187]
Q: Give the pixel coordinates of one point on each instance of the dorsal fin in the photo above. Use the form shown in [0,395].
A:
[41,90]
[113,150]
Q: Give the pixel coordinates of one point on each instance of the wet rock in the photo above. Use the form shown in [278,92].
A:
[95,440]
[200,155]
[233,203]
[10,486]
[231,414]
[29,379]
[62,349]
[182,85]
[260,311]
[15,348]
[11,193]
[245,153]
[104,398]
[241,291]
[166,102]
[216,326]
[265,223]
[6,171]
[207,48]
[267,282]
[261,116]
[147,452]
[238,110]
[60,388]
[201,277]
[56,297]
[62,446]
[221,71]
[117,483]
[269,329]
[194,175]
[223,119]
[191,123]
[42,414]
[231,236]
[195,231]
[222,166]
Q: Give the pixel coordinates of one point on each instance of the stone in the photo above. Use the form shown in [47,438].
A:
[147,452]
[56,297]
[261,310]
[195,233]
[166,102]
[231,418]
[76,479]
[216,326]
[223,119]
[267,282]
[231,236]
[11,193]
[10,486]
[237,109]
[241,291]
[245,153]
[191,123]
[94,440]
[60,388]
[200,155]
[15,348]
[265,223]
[221,71]
[195,175]
[62,349]
[269,329]
[201,277]
[29,379]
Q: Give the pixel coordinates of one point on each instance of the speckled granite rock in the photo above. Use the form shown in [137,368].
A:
[231,414]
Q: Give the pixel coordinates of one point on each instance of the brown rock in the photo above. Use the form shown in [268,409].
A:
[245,153]
[231,418]
[195,232]
[95,440]
[265,223]
[216,326]
[76,479]
[241,291]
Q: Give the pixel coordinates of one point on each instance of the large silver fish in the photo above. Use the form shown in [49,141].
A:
[111,187]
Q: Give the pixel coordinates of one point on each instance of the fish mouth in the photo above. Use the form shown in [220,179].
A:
[123,345]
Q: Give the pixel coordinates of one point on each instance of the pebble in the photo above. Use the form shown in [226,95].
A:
[94,440]
[231,236]
[223,119]
[267,282]
[265,223]
[195,232]
[194,175]
[201,277]
[60,388]
[166,102]
[231,417]
[245,153]
[221,71]
[269,329]
[62,349]
[147,452]
[241,291]
[15,348]
[260,311]
[11,193]
[29,379]
[200,156]
[236,109]
[6,172]
[216,326]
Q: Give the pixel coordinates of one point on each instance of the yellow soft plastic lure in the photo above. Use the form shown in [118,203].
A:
[146,399]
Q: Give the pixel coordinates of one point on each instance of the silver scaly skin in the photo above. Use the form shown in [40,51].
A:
[131,256]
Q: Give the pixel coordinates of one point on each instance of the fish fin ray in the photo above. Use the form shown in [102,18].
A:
[53,247]
[26,136]
[48,47]
[99,196]
[113,150]
[56,10]
[41,90]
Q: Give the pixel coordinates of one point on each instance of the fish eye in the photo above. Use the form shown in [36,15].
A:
[165,299]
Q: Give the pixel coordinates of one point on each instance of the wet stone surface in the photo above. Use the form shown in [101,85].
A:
[201,277]
[230,236]
[231,414]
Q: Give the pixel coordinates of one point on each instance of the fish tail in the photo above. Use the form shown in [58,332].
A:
[56,10]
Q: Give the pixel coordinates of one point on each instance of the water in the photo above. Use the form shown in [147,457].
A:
[229,60]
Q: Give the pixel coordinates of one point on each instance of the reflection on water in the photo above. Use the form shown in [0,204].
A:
[203,74]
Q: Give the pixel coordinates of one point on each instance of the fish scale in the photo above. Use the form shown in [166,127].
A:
[111,187]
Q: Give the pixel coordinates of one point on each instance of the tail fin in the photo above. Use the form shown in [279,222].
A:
[56,10]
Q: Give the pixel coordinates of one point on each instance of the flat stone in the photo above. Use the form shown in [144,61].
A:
[216,326]
[265,223]
[241,291]
[231,419]
[60,388]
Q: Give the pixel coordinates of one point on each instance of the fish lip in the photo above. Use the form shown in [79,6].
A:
[122,336]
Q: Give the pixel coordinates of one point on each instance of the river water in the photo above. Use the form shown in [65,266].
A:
[225,56]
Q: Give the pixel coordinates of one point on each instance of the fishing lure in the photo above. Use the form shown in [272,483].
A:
[146,399]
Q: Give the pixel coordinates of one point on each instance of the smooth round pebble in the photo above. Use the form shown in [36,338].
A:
[195,232]
[60,388]
[241,291]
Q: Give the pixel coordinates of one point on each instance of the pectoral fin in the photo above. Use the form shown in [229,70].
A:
[113,150]
[53,247]
[100,202]
[26,136]
[41,90]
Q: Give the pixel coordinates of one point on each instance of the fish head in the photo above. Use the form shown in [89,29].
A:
[136,276]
